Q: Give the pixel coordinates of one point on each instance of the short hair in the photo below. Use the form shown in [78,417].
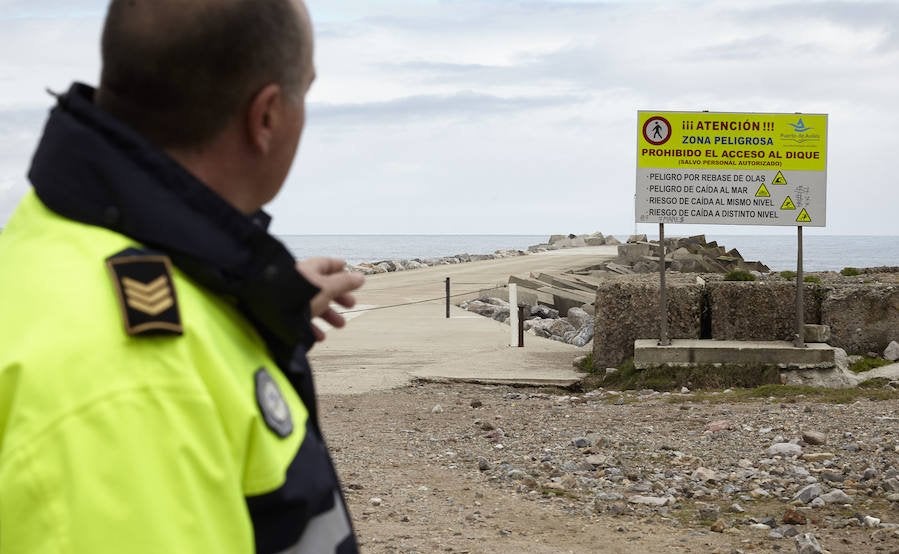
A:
[178,70]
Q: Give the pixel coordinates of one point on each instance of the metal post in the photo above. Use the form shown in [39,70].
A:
[447,297]
[663,292]
[799,337]
[521,309]
[513,313]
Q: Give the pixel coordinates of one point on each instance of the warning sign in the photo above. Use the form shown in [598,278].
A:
[731,168]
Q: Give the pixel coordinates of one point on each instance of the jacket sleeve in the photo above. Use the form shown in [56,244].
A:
[140,471]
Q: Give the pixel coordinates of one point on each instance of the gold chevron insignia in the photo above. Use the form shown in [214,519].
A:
[151,298]
[145,290]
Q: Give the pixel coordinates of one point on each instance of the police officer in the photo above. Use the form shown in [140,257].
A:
[155,395]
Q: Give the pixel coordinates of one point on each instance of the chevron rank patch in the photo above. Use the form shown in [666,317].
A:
[145,291]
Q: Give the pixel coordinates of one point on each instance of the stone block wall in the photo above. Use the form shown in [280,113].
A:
[627,311]
[763,310]
[862,318]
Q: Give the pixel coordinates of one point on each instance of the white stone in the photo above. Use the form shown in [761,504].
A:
[784,449]
[658,501]
[872,521]
[892,351]
[836,496]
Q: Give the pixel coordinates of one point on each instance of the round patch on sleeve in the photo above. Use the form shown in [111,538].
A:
[274,408]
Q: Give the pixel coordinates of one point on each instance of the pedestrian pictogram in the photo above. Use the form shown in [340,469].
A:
[763,192]
[803,217]
[779,179]
[788,204]
[657,130]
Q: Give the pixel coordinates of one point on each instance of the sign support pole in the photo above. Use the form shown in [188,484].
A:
[799,338]
[663,291]
[513,314]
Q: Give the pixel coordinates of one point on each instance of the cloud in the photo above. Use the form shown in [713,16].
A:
[462,104]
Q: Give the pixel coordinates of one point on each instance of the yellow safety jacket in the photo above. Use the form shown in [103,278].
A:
[145,414]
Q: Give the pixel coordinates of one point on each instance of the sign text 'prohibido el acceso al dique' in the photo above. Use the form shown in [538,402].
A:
[732,168]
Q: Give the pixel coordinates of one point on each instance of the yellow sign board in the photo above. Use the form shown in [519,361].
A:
[731,168]
[703,140]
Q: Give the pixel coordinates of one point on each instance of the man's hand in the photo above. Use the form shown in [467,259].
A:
[336,285]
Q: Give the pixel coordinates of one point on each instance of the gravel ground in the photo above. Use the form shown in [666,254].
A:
[487,469]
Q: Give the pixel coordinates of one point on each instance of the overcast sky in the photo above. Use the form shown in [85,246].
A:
[519,117]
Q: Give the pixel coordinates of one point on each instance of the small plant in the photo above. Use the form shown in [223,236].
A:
[586,363]
[850,272]
[866,363]
[788,275]
[739,275]
[812,279]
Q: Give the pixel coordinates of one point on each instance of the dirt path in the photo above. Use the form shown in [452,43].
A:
[486,469]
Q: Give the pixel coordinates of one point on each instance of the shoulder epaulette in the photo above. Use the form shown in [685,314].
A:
[146,292]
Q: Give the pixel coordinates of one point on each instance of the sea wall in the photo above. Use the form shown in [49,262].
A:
[863,317]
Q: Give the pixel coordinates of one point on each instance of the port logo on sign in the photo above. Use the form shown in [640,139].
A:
[657,130]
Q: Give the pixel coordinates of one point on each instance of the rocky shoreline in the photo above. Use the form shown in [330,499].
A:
[556,242]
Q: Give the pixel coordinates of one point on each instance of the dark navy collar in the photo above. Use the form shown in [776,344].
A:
[92,168]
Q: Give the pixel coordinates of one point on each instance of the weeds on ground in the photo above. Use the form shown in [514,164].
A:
[867,363]
[789,394]
[739,275]
[673,378]
[746,384]
[850,272]
[788,275]
[812,279]
[586,364]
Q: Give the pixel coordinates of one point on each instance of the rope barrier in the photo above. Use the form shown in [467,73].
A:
[418,301]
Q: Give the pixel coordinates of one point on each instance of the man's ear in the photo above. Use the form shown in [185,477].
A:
[263,115]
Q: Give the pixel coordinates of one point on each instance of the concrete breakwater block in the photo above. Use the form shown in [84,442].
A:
[758,310]
[628,310]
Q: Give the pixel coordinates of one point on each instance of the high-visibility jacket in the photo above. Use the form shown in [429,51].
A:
[146,415]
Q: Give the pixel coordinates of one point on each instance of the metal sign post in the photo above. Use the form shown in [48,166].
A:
[799,338]
[663,291]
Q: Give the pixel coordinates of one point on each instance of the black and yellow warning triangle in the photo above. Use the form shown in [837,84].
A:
[779,179]
[788,204]
[804,217]
[763,192]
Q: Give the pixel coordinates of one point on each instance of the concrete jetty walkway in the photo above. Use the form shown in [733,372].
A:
[384,347]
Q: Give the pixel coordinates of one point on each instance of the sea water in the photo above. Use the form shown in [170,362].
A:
[779,252]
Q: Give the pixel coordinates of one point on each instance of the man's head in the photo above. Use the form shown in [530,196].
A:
[184,72]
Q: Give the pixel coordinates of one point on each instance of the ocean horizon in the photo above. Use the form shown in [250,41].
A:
[779,252]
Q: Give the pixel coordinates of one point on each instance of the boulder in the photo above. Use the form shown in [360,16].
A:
[637,238]
[596,241]
[610,240]
[412,264]
[630,253]
[579,318]
[550,328]
[544,312]
[584,336]
[892,351]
